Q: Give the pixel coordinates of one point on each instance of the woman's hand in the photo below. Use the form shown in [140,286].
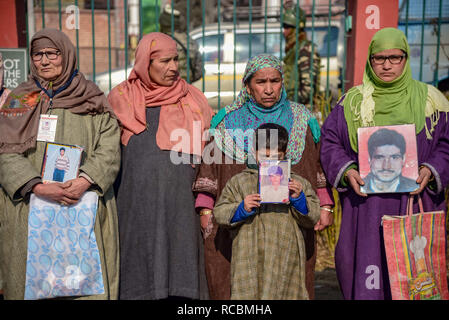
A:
[326,219]
[355,181]
[206,223]
[295,188]
[56,192]
[76,187]
[251,201]
[423,179]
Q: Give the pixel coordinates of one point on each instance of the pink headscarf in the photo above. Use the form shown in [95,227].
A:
[183,106]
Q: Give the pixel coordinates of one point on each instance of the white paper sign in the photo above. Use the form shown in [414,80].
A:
[47,128]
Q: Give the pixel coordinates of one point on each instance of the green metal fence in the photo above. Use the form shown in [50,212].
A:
[106,32]
[426,24]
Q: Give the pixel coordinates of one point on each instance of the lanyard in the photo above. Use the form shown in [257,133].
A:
[52,93]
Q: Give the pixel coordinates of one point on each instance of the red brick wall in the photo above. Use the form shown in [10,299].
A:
[85,37]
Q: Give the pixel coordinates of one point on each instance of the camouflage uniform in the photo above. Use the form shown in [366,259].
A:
[180,36]
[304,48]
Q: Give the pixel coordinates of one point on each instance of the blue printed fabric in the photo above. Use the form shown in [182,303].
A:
[63,258]
[241,214]
[300,203]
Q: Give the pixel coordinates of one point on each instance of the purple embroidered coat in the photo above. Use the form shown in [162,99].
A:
[360,256]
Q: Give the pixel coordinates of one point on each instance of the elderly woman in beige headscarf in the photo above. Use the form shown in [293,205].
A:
[83,118]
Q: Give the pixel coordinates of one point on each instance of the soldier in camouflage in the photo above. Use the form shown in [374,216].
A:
[304,85]
[304,47]
[180,36]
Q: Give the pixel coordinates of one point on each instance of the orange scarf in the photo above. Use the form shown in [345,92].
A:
[185,113]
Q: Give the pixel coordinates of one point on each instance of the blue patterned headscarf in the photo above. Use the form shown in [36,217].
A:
[245,114]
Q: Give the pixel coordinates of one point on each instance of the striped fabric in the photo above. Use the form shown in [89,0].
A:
[416,256]
[62,163]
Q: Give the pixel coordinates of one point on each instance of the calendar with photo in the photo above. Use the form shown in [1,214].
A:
[61,162]
[273,180]
[388,158]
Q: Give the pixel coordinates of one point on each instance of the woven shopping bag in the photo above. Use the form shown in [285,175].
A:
[415,246]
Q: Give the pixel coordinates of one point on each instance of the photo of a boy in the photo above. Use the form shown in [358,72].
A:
[62,165]
[276,190]
[268,249]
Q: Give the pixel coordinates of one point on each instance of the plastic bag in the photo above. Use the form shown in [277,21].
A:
[63,258]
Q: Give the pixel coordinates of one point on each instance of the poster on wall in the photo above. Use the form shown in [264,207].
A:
[15,63]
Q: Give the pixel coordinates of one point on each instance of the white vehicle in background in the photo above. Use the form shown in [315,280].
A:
[222,77]
[117,76]
[223,73]
[230,73]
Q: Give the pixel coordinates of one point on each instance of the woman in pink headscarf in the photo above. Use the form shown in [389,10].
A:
[162,120]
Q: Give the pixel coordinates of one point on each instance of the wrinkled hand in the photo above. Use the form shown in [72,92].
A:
[355,181]
[423,179]
[326,220]
[56,192]
[206,225]
[251,201]
[295,188]
[77,187]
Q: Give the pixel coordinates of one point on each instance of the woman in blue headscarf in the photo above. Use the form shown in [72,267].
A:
[262,100]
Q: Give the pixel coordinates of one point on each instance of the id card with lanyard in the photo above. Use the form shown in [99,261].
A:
[47,128]
[48,122]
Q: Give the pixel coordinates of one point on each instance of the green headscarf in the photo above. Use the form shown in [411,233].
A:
[380,103]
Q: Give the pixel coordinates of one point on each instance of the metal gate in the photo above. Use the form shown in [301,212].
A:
[229,32]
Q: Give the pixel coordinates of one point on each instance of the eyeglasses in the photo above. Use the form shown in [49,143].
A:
[394,59]
[51,55]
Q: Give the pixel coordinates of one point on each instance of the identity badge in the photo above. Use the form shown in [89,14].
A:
[47,128]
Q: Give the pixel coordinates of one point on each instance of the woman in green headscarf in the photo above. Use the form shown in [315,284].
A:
[388,96]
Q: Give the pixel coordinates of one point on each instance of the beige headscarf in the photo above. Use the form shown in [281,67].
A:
[19,117]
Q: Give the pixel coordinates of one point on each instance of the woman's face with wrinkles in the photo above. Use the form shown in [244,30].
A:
[265,86]
[164,70]
[48,69]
